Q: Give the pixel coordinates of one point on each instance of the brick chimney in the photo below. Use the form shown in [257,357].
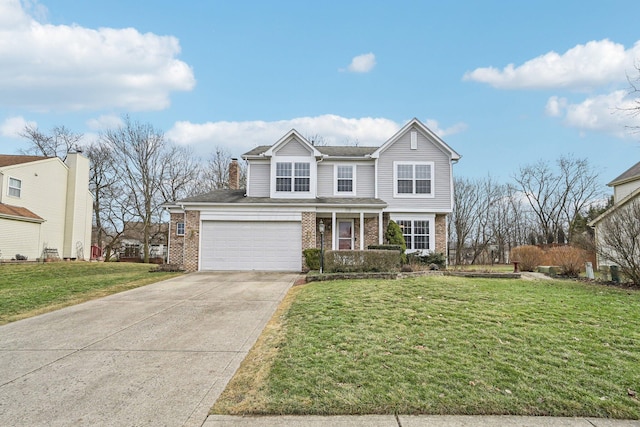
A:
[234,174]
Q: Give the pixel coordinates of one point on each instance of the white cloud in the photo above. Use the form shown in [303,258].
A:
[593,64]
[68,67]
[239,137]
[362,63]
[106,121]
[12,127]
[608,113]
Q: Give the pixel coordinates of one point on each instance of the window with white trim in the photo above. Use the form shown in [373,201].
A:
[15,187]
[344,179]
[416,233]
[294,177]
[413,179]
[180,229]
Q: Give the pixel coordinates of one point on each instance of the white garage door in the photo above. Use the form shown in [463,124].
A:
[251,245]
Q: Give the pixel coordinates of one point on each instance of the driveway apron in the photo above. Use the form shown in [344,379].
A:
[159,355]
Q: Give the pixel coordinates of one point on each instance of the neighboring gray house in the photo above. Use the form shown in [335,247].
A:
[292,185]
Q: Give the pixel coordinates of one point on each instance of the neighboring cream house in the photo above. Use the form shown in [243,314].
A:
[45,207]
[293,186]
[626,188]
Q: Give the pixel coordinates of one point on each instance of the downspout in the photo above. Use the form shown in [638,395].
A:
[184,238]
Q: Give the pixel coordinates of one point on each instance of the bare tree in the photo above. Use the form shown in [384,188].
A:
[556,198]
[216,170]
[634,109]
[619,239]
[182,175]
[58,143]
[463,215]
[141,159]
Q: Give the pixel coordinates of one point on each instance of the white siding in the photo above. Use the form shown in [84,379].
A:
[19,237]
[325,180]
[293,148]
[426,152]
[44,188]
[622,191]
[77,242]
[366,182]
[259,179]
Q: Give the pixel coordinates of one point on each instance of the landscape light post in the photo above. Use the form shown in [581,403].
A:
[321,229]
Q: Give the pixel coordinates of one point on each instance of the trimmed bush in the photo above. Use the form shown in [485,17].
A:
[571,260]
[529,257]
[361,261]
[386,247]
[436,259]
[312,258]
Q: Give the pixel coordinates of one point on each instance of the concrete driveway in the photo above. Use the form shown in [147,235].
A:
[159,355]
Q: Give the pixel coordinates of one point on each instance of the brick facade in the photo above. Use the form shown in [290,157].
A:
[184,250]
[441,234]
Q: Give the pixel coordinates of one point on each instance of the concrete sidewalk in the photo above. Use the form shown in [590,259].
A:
[412,421]
[159,355]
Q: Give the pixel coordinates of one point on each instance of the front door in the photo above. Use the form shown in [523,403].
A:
[345,234]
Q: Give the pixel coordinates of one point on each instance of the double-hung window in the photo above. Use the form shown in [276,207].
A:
[344,179]
[15,187]
[413,179]
[180,229]
[293,176]
[416,233]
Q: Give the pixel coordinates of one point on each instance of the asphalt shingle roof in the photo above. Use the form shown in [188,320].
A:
[329,150]
[238,196]
[10,160]
[629,174]
[18,212]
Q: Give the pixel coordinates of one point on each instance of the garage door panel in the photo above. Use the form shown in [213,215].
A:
[251,245]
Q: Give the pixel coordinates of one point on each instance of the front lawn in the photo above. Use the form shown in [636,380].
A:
[445,345]
[30,289]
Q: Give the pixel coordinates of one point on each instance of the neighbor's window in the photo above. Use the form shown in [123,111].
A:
[416,233]
[15,187]
[293,176]
[413,179]
[344,179]
[180,229]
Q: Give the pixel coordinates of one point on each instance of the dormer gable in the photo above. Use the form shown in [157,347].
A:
[293,144]
[416,125]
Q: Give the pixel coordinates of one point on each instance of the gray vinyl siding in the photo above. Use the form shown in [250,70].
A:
[259,179]
[325,180]
[365,178]
[293,148]
[426,152]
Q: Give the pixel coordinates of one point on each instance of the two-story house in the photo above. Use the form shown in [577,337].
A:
[45,207]
[626,190]
[293,186]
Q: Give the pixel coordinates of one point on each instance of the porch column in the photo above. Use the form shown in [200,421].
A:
[334,231]
[362,231]
[380,228]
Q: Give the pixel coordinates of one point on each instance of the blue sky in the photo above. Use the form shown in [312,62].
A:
[505,83]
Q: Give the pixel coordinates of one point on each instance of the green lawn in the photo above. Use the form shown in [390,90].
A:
[30,289]
[445,345]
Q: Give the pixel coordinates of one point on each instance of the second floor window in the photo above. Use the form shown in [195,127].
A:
[414,179]
[293,176]
[15,187]
[345,179]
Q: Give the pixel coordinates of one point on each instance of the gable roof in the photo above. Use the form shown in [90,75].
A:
[630,174]
[417,123]
[326,150]
[11,159]
[18,213]
[286,138]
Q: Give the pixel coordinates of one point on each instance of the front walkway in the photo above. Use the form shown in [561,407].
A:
[156,355]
